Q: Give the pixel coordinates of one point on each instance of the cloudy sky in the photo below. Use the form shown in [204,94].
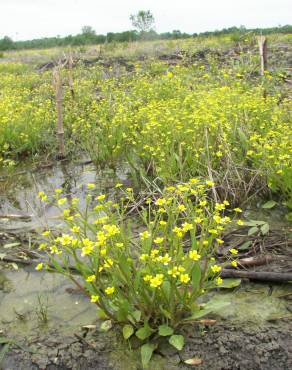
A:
[27,19]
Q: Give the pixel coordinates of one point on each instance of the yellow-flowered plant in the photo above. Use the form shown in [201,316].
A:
[148,280]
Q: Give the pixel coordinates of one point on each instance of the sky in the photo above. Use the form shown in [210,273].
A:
[28,19]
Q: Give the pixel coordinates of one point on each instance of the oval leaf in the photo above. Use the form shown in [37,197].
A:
[177,341]
[265,229]
[144,332]
[230,283]
[252,230]
[128,331]
[146,353]
[269,204]
[165,330]
[106,325]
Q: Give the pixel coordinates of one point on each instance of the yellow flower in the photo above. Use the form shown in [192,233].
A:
[219,241]
[75,229]
[216,268]
[147,277]
[173,272]
[144,257]
[145,235]
[156,281]
[46,233]
[186,227]
[160,202]
[120,245]
[91,278]
[58,191]
[108,263]
[193,255]
[233,251]
[158,240]
[39,266]
[210,183]
[238,210]
[94,298]
[90,186]
[181,207]
[110,290]
[184,278]
[162,223]
[218,280]
[164,259]
[100,197]
[119,185]
[65,239]
[240,222]
[178,231]
[234,264]
[62,201]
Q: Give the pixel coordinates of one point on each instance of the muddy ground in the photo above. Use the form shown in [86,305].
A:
[223,346]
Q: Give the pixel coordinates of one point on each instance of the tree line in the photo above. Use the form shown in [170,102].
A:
[89,37]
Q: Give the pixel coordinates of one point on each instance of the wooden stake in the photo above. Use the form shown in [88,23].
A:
[70,74]
[59,98]
[263,53]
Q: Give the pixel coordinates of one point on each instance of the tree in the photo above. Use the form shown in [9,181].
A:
[87,30]
[6,43]
[143,21]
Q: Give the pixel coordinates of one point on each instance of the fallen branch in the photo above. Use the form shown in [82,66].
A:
[251,261]
[16,217]
[276,277]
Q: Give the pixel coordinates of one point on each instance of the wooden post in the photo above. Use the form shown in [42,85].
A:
[70,74]
[59,98]
[263,53]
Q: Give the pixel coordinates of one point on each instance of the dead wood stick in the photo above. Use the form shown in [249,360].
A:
[263,53]
[16,217]
[251,261]
[276,277]
[16,260]
[59,98]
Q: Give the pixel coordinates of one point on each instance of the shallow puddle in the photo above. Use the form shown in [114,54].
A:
[20,196]
[25,293]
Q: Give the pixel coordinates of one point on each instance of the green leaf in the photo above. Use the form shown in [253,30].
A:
[269,204]
[196,276]
[3,351]
[252,230]
[125,267]
[165,330]
[230,283]
[137,315]
[144,332]
[166,287]
[101,315]
[146,353]
[212,306]
[177,341]
[265,229]
[165,312]
[128,331]
[254,223]
[106,325]
[5,340]
[245,245]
